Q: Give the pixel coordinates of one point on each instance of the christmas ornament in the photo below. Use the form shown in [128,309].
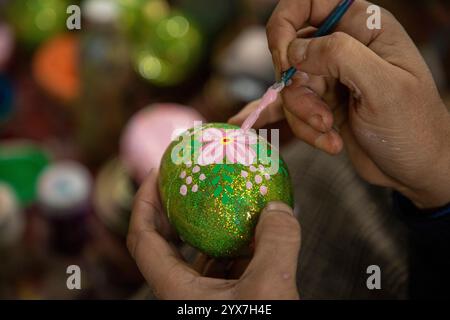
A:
[139,16]
[64,191]
[55,66]
[113,196]
[138,152]
[169,51]
[36,20]
[214,181]
[21,163]
[6,99]
[12,219]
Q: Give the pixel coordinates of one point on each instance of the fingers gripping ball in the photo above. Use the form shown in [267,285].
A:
[215,179]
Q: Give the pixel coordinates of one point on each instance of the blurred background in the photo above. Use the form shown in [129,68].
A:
[84,114]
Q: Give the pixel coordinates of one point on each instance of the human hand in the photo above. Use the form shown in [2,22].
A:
[392,120]
[271,273]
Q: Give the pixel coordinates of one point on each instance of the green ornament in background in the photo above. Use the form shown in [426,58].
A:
[37,20]
[139,16]
[214,182]
[21,163]
[169,51]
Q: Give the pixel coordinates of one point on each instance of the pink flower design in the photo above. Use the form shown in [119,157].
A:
[234,145]
[263,190]
[183,190]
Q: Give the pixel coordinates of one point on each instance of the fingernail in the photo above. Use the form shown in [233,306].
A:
[317,123]
[277,206]
[336,146]
[322,142]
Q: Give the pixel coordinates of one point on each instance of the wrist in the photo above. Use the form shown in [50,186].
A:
[433,191]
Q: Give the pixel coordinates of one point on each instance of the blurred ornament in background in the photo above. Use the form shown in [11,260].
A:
[64,190]
[6,99]
[12,220]
[149,132]
[244,71]
[55,67]
[211,19]
[6,44]
[247,63]
[139,16]
[113,197]
[104,75]
[37,20]
[169,51]
[21,162]
[101,11]
[248,54]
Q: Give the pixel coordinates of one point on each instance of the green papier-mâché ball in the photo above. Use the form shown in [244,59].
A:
[215,179]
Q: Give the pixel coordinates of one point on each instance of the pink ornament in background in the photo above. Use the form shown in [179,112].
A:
[6,44]
[149,132]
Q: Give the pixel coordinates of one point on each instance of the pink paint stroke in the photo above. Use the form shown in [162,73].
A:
[268,98]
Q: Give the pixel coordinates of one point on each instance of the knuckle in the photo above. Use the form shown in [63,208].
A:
[277,26]
[390,21]
[271,30]
[388,14]
[337,46]
[337,43]
[295,58]
[273,20]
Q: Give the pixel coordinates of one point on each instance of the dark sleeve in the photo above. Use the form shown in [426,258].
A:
[429,240]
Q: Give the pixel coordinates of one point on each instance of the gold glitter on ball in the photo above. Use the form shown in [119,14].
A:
[214,184]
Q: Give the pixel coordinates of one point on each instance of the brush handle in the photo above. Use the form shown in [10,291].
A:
[268,98]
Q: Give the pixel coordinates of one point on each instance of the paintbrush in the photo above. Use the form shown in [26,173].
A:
[270,96]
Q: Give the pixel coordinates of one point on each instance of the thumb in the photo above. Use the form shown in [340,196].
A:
[277,245]
[342,57]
